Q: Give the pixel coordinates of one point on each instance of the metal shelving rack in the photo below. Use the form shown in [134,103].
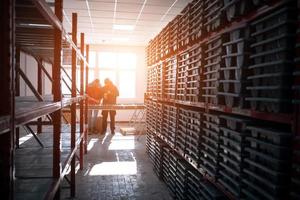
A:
[233,22]
[32,27]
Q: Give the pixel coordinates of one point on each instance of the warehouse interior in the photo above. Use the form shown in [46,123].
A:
[207,108]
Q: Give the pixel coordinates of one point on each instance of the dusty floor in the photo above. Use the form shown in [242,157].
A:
[118,168]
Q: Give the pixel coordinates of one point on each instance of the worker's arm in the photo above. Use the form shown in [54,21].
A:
[92,99]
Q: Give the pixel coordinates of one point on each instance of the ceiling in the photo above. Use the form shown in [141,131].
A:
[96,19]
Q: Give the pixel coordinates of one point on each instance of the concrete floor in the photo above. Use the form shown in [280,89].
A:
[117,167]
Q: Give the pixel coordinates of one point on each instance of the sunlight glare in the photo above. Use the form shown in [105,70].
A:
[122,143]
[114,168]
[92,143]
[24,139]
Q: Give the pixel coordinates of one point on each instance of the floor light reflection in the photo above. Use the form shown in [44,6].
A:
[122,143]
[24,139]
[114,168]
[92,143]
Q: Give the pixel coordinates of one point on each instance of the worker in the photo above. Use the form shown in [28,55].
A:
[110,93]
[94,94]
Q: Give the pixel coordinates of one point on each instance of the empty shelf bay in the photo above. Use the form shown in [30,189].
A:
[33,164]
[28,108]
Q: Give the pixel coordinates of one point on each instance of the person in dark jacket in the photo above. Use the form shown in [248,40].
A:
[110,94]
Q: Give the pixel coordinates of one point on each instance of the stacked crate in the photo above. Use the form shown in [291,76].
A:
[155,80]
[196,21]
[271,61]
[194,73]
[170,124]
[158,154]
[159,80]
[170,69]
[153,50]
[232,90]
[233,142]
[182,65]
[210,145]
[148,54]
[165,41]
[296,73]
[150,141]
[268,162]
[151,116]
[213,61]
[173,159]
[234,9]
[150,81]
[165,122]
[213,15]
[248,66]
[258,3]
[148,89]
[148,113]
[210,192]
[181,131]
[151,137]
[156,148]
[174,31]
[295,180]
[156,49]
[184,22]
[159,118]
[160,47]
[193,185]
[193,137]
[200,189]
[182,169]
[166,164]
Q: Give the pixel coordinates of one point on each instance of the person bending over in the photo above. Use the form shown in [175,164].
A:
[110,93]
[95,94]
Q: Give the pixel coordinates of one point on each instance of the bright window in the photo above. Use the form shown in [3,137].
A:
[127,84]
[92,59]
[107,60]
[91,76]
[127,60]
[120,67]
